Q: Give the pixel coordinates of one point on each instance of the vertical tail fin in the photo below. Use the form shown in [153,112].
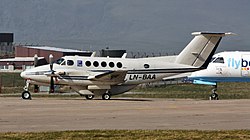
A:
[200,50]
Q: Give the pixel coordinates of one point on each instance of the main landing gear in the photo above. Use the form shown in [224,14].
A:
[26,94]
[89,97]
[214,95]
[105,96]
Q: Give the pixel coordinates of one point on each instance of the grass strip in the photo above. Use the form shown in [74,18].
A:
[129,134]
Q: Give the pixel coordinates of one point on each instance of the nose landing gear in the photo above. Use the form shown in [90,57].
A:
[26,94]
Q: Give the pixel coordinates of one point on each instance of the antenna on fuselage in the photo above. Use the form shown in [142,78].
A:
[93,54]
[124,55]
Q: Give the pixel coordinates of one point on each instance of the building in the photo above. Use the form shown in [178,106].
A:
[45,51]
[19,57]
[19,63]
[24,57]
[6,45]
[112,53]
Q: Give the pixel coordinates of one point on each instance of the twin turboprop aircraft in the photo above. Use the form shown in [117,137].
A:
[105,76]
[224,67]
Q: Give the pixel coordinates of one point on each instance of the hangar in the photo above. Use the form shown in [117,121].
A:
[19,57]
[24,56]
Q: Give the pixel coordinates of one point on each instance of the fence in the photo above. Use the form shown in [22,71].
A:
[11,83]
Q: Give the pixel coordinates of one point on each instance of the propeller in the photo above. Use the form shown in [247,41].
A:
[52,83]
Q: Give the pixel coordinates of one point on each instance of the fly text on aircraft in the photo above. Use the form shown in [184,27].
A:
[236,63]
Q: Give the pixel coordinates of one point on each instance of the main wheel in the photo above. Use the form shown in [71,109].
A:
[214,96]
[89,97]
[26,95]
[106,96]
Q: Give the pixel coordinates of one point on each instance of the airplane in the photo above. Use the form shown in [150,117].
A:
[106,76]
[231,66]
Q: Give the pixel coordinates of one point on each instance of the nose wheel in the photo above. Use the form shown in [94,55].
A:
[26,95]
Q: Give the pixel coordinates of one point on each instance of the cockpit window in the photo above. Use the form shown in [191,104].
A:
[212,59]
[219,60]
[60,61]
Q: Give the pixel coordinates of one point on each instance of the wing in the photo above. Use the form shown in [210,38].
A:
[182,75]
[110,76]
[101,76]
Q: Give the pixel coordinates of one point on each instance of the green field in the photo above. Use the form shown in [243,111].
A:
[130,134]
[225,91]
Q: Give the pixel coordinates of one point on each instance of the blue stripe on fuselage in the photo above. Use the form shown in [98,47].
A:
[222,79]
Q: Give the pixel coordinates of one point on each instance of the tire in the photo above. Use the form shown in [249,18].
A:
[214,96]
[89,97]
[106,96]
[26,95]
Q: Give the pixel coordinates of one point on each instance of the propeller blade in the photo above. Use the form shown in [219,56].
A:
[51,66]
[52,85]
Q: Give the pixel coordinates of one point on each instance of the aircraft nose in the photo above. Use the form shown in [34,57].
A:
[23,74]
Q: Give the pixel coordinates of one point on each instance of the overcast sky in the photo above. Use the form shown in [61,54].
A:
[136,25]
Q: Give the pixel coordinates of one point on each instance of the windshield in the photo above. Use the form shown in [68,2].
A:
[59,61]
[219,60]
[212,59]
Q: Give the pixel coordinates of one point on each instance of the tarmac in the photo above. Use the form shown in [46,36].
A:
[59,114]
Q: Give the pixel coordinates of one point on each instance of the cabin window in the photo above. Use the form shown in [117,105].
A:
[103,64]
[70,62]
[96,64]
[219,60]
[111,64]
[146,66]
[88,63]
[119,65]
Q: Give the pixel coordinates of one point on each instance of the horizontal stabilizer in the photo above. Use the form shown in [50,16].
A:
[177,76]
[213,33]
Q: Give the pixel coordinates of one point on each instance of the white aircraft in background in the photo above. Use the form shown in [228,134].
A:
[91,76]
[224,67]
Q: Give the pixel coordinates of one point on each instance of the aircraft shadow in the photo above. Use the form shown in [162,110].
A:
[127,99]
[112,99]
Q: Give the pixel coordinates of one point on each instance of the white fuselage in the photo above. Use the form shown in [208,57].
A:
[225,67]
[77,69]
